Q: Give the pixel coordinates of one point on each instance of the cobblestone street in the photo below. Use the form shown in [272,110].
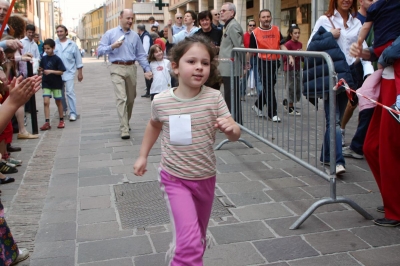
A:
[66,209]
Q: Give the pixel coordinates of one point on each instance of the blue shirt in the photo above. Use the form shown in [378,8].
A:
[131,48]
[71,58]
[385,16]
[177,29]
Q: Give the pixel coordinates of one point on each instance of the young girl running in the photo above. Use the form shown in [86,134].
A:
[160,68]
[189,117]
[292,72]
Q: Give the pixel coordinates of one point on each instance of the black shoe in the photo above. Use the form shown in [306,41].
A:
[12,148]
[386,222]
[284,102]
[145,95]
[6,180]
[380,209]
[394,115]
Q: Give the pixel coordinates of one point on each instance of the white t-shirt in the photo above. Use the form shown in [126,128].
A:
[161,76]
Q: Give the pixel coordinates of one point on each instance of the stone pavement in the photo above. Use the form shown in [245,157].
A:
[63,205]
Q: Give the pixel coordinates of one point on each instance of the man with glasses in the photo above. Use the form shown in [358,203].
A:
[178,26]
[232,36]
[215,20]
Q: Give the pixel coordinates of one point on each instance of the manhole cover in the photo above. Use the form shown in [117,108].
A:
[142,205]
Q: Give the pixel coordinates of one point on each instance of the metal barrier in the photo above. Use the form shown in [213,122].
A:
[297,136]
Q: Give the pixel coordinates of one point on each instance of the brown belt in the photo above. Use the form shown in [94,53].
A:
[125,63]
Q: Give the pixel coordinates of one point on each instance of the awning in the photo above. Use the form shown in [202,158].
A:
[145,17]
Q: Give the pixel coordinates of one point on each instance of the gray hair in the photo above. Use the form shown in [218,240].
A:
[231,6]
[141,27]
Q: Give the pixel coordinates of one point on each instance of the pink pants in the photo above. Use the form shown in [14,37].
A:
[189,203]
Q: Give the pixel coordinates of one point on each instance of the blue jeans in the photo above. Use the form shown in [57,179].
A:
[341,103]
[69,93]
[364,118]
[254,66]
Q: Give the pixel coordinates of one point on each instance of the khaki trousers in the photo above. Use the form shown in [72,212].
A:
[124,80]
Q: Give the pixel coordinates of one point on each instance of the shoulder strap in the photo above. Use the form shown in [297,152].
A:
[333,26]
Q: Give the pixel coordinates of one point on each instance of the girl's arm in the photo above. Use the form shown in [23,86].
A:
[151,134]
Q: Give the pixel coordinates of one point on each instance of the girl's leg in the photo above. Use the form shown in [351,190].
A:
[203,196]
[186,247]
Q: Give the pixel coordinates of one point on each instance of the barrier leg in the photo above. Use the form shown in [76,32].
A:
[248,144]
[321,202]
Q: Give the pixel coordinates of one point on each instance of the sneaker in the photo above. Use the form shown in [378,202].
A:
[61,124]
[342,131]
[348,152]
[251,93]
[380,209]
[72,117]
[292,111]
[23,255]
[386,222]
[275,119]
[125,135]
[46,126]
[393,114]
[14,161]
[257,111]
[340,169]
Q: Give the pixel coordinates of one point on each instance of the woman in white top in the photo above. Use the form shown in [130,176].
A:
[345,28]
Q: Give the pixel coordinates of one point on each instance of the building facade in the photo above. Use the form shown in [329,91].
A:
[93,24]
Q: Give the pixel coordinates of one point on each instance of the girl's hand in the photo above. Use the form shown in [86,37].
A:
[139,168]
[291,60]
[226,125]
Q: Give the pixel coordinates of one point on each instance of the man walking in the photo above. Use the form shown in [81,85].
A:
[71,57]
[269,37]
[147,42]
[232,37]
[124,47]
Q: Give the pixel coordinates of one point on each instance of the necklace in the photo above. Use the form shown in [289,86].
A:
[163,66]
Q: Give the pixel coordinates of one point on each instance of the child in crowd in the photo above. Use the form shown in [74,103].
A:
[52,68]
[384,16]
[292,72]
[189,117]
[160,68]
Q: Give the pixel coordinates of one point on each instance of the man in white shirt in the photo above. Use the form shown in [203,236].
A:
[30,46]
[178,26]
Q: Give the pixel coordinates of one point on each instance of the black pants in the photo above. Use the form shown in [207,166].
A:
[237,116]
[267,71]
[148,85]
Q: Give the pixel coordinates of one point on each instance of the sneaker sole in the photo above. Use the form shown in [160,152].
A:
[359,157]
[387,225]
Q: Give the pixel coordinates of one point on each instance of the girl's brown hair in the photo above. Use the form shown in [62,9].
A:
[333,6]
[182,47]
[152,50]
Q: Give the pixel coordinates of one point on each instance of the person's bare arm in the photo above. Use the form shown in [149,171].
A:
[151,134]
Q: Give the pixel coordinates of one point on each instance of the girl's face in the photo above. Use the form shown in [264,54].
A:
[158,54]
[295,35]
[194,67]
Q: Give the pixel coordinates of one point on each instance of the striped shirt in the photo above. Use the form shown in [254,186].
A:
[196,161]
